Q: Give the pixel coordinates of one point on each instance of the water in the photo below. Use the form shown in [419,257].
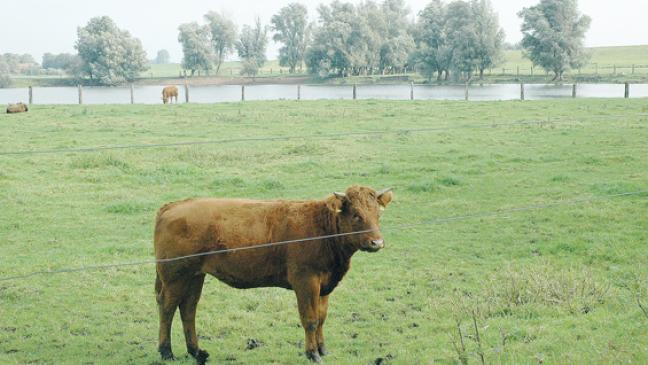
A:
[231,93]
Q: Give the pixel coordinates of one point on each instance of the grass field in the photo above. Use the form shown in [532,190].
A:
[559,284]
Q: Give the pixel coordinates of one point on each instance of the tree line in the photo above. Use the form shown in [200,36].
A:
[459,39]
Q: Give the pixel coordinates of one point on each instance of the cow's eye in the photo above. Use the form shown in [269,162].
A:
[356,218]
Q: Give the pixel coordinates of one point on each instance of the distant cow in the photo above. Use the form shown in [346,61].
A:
[17,108]
[311,268]
[168,93]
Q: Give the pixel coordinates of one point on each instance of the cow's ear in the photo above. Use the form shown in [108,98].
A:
[385,197]
[336,202]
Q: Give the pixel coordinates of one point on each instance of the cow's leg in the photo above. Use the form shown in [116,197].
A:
[308,301]
[168,298]
[323,309]
[188,314]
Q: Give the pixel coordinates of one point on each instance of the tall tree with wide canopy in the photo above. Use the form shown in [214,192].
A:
[223,36]
[490,37]
[554,32]
[196,47]
[109,55]
[251,47]
[292,29]
[433,52]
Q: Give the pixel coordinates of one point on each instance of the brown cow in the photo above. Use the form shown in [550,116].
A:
[311,268]
[17,108]
[168,93]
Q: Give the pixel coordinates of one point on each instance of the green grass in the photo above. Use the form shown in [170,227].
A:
[556,285]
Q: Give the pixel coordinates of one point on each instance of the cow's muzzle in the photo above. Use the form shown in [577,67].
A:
[375,245]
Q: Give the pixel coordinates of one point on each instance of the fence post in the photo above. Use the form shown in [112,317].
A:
[412,90]
[80,94]
[132,94]
[574,91]
[522,91]
[298,92]
[627,90]
[31,95]
[242,92]
[354,91]
[186,85]
[466,91]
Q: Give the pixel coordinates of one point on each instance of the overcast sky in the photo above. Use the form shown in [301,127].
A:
[39,26]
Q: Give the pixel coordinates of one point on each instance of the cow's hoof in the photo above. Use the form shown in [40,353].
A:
[165,352]
[322,350]
[201,357]
[314,356]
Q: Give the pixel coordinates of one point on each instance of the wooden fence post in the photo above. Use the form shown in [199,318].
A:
[298,92]
[574,91]
[242,92]
[80,94]
[411,90]
[354,92]
[31,95]
[522,91]
[626,94]
[132,94]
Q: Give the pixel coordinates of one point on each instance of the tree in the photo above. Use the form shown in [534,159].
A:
[490,37]
[344,40]
[109,55]
[58,61]
[433,53]
[397,41]
[251,48]
[223,36]
[196,47]
[292,29]
[553,35]
[162,57]
[5,80]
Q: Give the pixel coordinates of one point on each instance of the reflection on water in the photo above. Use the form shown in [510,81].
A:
[229,93]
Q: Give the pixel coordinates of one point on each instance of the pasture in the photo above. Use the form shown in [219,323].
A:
[541,282]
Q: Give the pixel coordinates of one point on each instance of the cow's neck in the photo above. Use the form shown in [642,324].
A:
[337,251]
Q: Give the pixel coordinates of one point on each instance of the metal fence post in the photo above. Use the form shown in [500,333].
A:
[354,92]
[574,91]
[186,85]
[466,92]
[80,94]
[242,92]
[31,95]
[132,94]
[298,92]
[411,90]
[522,91]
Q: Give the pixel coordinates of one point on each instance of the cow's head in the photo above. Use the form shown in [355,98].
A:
[358,209]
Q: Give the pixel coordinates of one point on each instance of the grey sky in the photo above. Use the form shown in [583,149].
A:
[39,26]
